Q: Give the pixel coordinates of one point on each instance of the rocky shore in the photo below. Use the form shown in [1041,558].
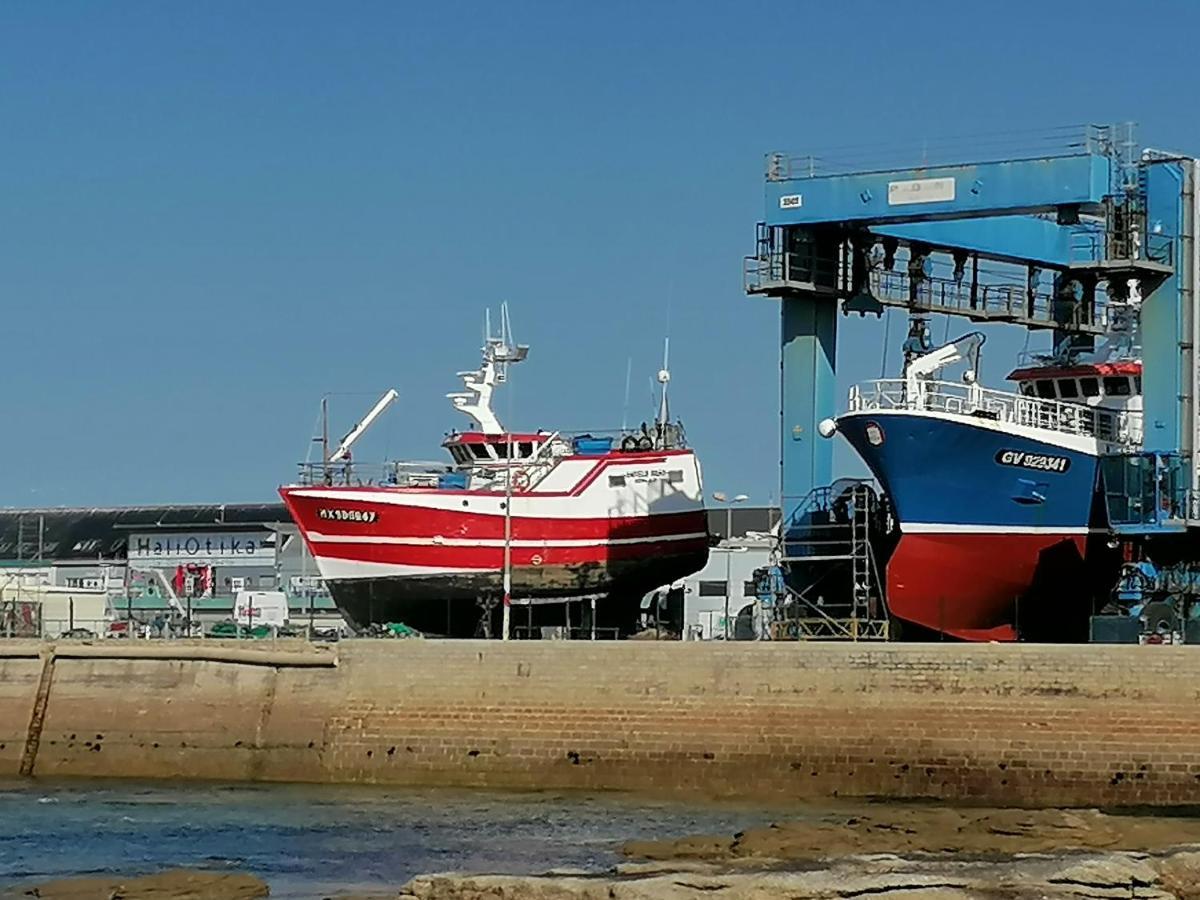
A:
[871,851]
[1116,875]
[886,851]
[176,884]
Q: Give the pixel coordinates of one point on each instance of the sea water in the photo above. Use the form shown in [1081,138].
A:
[312,841]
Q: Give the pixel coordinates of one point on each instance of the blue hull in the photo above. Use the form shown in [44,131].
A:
[995,527]
[939,471]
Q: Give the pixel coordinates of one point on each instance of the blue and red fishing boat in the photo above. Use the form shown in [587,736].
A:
[998,494]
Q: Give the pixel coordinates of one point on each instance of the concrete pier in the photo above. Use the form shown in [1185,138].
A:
[1003,724]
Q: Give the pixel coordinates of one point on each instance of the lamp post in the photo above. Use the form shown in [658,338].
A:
[507,577]
[721,497]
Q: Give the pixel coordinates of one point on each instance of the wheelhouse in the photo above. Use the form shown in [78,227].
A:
[474,448]
[1105,384]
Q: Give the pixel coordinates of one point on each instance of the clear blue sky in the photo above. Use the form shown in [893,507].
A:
[211,213]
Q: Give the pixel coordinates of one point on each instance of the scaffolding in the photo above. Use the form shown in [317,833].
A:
[831,547]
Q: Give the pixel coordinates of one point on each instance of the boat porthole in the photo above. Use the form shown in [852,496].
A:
[503,505]
[464,503]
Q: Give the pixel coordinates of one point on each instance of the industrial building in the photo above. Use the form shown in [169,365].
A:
[65,569]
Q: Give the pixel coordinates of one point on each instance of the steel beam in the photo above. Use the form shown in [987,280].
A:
[1015,239]
[1018,187]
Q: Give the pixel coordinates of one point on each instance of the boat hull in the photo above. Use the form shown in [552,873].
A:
[609,529]
[455,604]
[998,528]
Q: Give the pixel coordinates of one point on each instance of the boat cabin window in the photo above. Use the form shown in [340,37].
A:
[1045,389]
[1067,388]
[463,453]
[1090,387]
[1137,384]
[1027,388]
[1116,386]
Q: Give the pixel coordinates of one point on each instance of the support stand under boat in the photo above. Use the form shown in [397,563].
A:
[488,604]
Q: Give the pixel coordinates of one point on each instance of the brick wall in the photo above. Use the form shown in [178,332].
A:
[1001,723]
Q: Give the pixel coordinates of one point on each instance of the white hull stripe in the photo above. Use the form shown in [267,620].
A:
[334,569]
[594,503]
[937,528]
[438,541]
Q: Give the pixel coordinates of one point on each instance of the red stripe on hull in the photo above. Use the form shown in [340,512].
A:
[492,558]
[414,521]
[968,585]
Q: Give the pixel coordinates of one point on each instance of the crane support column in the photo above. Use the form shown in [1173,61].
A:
[808,368]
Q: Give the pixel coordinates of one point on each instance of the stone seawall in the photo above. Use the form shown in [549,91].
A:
[1005,724]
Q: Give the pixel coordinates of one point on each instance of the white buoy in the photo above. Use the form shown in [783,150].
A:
[827,428]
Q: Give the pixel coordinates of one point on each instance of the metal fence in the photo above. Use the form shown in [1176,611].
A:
[1110,426]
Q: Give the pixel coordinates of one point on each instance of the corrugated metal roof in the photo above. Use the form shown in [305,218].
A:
[60,533]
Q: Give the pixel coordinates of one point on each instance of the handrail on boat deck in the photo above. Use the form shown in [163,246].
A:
[1122,427]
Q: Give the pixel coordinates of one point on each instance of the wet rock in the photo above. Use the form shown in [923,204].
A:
[1095,875]
[1180,875]
[924,829]
[1117,875]
[179,884]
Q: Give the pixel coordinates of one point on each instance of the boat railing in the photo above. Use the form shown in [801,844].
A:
[1122,427]
[347,473]
[488,473]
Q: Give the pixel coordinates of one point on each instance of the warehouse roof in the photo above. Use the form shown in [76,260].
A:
[59,533]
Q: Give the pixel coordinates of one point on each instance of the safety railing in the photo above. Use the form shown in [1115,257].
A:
[489,473]
[996,300]
[1096,244]
[776,268]
[355,474]
[1109,426]
[990,296]
[1069,140]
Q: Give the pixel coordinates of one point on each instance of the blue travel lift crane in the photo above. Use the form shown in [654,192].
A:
[1074,219]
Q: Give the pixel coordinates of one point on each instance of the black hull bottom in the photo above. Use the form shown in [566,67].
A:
[458,605]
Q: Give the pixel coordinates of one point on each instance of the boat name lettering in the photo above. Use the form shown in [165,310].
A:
[646,475]
[347,515]
[1040,462]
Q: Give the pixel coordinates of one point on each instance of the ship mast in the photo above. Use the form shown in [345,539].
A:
[499,352]
[664,379]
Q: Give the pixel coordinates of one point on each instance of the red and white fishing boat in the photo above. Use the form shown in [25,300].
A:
[564,517]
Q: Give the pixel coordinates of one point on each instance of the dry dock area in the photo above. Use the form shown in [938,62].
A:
[776,722]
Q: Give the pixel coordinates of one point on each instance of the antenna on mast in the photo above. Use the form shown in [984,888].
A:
[625,408]
[498,353]
[664,378]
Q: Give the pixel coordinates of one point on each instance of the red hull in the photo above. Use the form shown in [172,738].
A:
[968,585]
[411,556]
[418,536]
